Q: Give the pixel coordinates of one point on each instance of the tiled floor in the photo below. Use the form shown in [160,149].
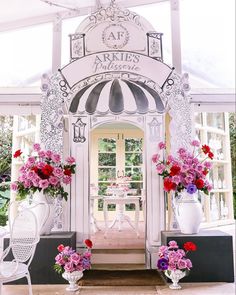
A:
[124,239]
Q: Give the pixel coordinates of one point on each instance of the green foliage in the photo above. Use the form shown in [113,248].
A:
[232,130]
[58,269]
[6,124]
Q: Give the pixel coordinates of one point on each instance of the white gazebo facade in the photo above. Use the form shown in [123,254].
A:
[116,74]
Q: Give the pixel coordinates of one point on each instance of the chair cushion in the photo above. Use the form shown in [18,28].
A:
[8,267]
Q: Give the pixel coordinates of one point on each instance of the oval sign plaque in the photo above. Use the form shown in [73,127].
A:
[115,36]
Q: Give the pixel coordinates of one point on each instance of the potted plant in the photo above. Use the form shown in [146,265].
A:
[174,263]
[71,264]
[43,176]
[185,175]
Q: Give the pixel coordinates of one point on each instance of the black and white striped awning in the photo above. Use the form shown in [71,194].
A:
[116,97]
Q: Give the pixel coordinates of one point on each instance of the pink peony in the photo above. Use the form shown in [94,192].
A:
[70,160]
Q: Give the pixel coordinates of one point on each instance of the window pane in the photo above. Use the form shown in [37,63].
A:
[105,159]
[105,174]
[208,42]
[134,173]
[106,145]
[198,118]
[216,142]
[133,145]
[25,55]
[133,159]
[216,120]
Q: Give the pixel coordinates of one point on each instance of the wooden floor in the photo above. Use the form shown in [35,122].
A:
[115,239]
[187,289]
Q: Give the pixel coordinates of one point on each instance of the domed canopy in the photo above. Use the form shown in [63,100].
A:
[117,96]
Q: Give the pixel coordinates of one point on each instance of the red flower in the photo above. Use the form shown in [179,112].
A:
[47,170]
[205,172]
[199,183]
[35,169]
[88,243]
[190,246]
[211,155]
[17,153]
[206,149]
[60,248]
[174,170]
[169,185]
[67,172]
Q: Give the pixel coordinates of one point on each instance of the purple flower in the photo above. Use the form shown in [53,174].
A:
[191,189]
[162,264]
[86,263]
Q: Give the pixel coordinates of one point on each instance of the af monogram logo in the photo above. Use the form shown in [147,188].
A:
[115,36]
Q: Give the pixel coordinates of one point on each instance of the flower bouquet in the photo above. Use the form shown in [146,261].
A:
[174,262]
[44,171]
[187,171]
[71,264]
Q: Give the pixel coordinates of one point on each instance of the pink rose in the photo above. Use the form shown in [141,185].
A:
[160,168]
[56,158]
[48,154]
[66,179]
[70,160]
[40,165]
[41,154]
[155,158]
[58,172]
[43,183]
[188,264]
[36,147]
[14,186]
[53,180]
[75,258]
[69,266]
[182,264]
[195,143]
[173,244]
[163,250]
[162,145]
[27,183]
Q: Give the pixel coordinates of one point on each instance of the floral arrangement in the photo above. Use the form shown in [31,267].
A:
[173,258]
[121,182]
[187,171]
[43,171]
[69,260]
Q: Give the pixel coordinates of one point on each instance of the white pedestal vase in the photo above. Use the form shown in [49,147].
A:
[72,278]
[188,212]
[45,214]
[175,276]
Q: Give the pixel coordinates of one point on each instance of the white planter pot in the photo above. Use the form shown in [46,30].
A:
[72,278]
[45,214]
[188,212]
[175,276]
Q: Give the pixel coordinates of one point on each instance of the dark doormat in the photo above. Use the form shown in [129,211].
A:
[147,277]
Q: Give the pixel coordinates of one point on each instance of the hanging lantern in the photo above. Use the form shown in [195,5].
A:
[79,131]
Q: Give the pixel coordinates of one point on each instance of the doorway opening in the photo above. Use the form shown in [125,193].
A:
[117,187]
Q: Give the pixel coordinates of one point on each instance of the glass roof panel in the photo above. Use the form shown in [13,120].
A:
[208,42]
[25,54]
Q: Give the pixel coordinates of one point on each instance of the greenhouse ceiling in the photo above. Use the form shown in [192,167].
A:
[16,13]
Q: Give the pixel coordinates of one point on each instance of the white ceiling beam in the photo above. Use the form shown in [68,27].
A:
[66,14]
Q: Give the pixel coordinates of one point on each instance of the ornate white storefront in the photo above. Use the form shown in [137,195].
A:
[116,74]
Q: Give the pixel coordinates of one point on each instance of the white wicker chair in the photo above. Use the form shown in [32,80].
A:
[24,236]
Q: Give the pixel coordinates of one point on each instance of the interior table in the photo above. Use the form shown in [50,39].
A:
[121,201]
